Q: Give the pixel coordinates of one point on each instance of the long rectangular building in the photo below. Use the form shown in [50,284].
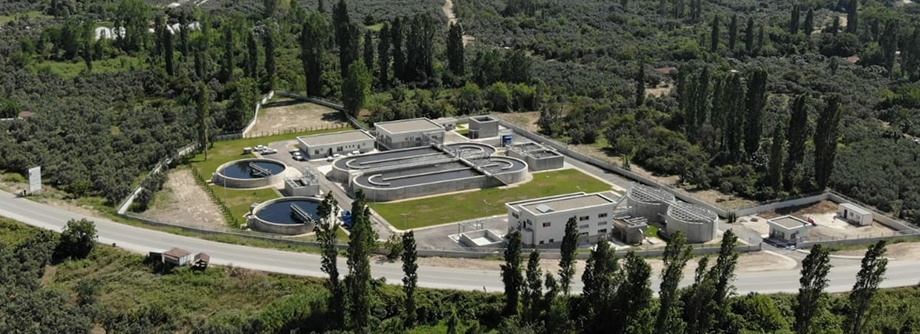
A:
[328,144]
[542,220]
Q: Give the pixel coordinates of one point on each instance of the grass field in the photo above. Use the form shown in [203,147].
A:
[236,200]
[70,70]
[487,202]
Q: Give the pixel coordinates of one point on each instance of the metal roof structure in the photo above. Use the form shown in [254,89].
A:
[647,194]
[335,138]
[408,125]
[691,213]
[789,222]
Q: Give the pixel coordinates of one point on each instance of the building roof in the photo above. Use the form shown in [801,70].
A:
[548,205]
[335,138]
[408,125]
[176,253]
[483,119]
[855,208]
[789,222]
[691,213]
[202,257]
[648,194]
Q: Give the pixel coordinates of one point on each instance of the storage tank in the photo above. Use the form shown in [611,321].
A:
[698,223]
[648,202]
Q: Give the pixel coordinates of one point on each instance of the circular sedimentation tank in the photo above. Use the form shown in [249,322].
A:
[698,223]
[249,173]
[288,215]
[648,202]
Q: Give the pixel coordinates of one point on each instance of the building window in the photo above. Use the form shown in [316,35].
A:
[541,242]
[602,231]
[601,223]
[552,240]
[316,152]
[547,224]
[514,214]
[602,215]
[583,226]
[583,218]
[583,234]
[338,149]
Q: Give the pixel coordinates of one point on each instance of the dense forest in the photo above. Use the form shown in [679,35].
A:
[66,283]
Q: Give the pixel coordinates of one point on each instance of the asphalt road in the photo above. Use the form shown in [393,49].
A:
[140,240]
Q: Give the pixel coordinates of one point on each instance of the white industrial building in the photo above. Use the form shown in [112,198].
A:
[855,214]
[329,144]
[408,133]
[788,228]
[542,220]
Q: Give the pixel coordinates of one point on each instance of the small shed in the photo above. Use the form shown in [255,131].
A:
[177,256]
[631,230]
[788,228]
[202,260]
[855,214]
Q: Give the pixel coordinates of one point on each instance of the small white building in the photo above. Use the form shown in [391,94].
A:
[328,144]
[855,214]
[542,220]
[788,228]
[177,256]
[408,133]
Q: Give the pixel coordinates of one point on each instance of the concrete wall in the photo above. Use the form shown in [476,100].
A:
[654,212]
[292,189]
[375,194]
[599,222]
[230,182]
[261,225]
[483,127]
[466,238]
[410,139]
[322,151]
[539,164]
[255,115]
[773,206]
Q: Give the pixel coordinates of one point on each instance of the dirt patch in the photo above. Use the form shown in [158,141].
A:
[897,252]
[448,9]
[659,90]
[527,120]
[824,214]
[282,115]
[802,210]
[183,202]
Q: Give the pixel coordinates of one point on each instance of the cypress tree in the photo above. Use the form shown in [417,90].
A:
[794,21]
[168,53]
[714,35]
[640,83]
[825,140]
[749,36]
[733,33]
[369,51]
[809,25]
[511,274]
[269,41]
[252,59]
[911,56]
[399,55]
[852,17]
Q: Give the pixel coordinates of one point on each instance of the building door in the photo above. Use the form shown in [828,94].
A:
[330,152]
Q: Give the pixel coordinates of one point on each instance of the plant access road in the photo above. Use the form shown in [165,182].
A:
[140,240]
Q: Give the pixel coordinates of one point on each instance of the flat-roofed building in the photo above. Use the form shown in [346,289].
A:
[788,228]
[542,220]
[328,144]
[855,214]
[483,127]
[408,133]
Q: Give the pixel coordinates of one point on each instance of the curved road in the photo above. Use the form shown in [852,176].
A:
[140,240]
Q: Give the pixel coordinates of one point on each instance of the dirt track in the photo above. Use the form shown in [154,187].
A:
[183,202]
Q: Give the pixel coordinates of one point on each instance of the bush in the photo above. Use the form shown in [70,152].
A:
[77,240]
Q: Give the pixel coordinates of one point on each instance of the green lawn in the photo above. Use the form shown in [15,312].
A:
[487,202]
[236,200]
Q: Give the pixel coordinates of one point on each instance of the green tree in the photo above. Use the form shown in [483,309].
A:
[313,34]
[268,8]
[369,51]
[455,55]
[755,101]
[383,56]
[346,36]
[733,99]
[360,246]
[714,35]
[567,254]
[749,36]
[724,269]
[202,108]
[825,140]
[911,56]
[132,15]
[169,52]
[699,308]
[326,231]
[870,275]
[634,297]
[797,132]
[675,257]
[532,291]
[794,21]
[410,280]
[733,33]
[852,17]
[228,61]
[268,41]
[511,274]
[809,301]
[809,24]
[399,52]
[640,84]
[77,239]
[252,56]
[356,88]
[777,153]
[601,279]
[419,49]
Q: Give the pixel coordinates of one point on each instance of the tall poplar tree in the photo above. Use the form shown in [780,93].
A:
[601,279]
[640,83]
[675,257]
[733,33]
[777,153]
[755,101]
[797,133]
[714,35]
[252,58]
[813,282]
[169,52]
[749,36]
[532,290]
[455,56]
[383,56]
[825,140]
[634,297]
[346,36]
[511,274]
[369,51]
[399,52]
[326,235]
[360,246]
[870,275]
[202,109]
[852,16]
[356,88]
[410,280]
[269,44]
[568,252]
[313,34]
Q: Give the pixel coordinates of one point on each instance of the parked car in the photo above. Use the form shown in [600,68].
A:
[346,219]
[269,150]
[330,158]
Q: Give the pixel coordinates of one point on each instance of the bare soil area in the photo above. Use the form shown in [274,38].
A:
[660,90]
[897,252]
[824,214]
[183,202]
[448,9]
[527,120]
[282,115]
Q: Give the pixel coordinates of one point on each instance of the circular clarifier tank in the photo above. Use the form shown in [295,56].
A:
[289,215]
[249,173]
